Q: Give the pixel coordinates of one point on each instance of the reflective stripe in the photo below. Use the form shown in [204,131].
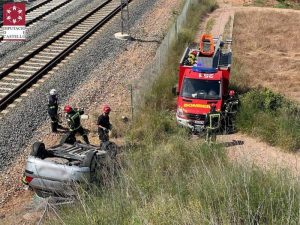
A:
[75,128]
[24,180]
[211,117]
[75,116]
[72,122]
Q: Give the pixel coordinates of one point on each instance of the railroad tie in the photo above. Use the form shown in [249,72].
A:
[9,84]
[13,79]
[30,66]
[6,88]
[18,75]
[24,71]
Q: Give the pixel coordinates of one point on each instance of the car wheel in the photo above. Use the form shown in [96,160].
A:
[88,158]
[97,169]
[38,150]
[42,194]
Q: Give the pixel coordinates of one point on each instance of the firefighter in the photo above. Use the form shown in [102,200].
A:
[230,109]
[192,57]
[232,103]
[104,125]
[73,118]
[212,124]
[53,110]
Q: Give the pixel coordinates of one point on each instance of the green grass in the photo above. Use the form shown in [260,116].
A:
[168,178]
[279,126]
[292,4]
[266,114]
[260,2]
[183,182]
[287,4]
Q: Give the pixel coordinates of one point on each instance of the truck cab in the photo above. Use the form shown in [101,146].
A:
[203,79]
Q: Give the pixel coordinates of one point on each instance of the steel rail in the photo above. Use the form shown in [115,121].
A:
[48,12]
[8,99]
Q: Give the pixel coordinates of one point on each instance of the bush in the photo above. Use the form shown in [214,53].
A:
[271,117]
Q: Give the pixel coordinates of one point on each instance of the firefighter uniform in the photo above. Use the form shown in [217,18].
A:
[73,118]
[230,109]
[212,123]
[104,125]
[52,111]
[103,120]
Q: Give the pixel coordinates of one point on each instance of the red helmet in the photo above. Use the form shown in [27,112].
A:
[106,109]
[68,109]
[194,52]
[231,93]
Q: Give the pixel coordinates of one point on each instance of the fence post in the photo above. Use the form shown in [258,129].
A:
[131,100]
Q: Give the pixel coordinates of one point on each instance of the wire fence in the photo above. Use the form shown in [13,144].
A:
[152,70]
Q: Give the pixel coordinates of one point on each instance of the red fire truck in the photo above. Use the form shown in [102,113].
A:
[203,79]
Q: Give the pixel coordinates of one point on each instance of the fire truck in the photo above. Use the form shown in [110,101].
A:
[203,79]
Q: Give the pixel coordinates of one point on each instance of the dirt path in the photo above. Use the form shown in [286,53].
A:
[242,148]
[250,151]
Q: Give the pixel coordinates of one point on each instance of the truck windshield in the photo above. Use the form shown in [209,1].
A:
[201,89]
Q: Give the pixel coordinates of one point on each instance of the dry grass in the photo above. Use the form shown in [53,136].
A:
[267,49]
[209,25]
[227,29]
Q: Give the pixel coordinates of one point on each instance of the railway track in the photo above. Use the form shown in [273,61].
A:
[20,76]
[40,11]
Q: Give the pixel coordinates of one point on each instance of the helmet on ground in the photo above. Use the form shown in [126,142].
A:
[68,109]
[231,93]
[53,92]
[212,106]
[106,109]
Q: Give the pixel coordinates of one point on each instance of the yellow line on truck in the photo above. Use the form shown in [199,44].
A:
[190,105]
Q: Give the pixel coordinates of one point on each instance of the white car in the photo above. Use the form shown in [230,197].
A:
[56,170]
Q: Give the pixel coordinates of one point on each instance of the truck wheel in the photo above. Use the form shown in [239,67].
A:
[38,150]
[68,138]
[92,162]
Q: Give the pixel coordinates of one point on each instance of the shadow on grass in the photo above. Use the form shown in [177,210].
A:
[232,143]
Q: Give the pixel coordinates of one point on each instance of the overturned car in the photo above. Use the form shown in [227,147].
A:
[58,169]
